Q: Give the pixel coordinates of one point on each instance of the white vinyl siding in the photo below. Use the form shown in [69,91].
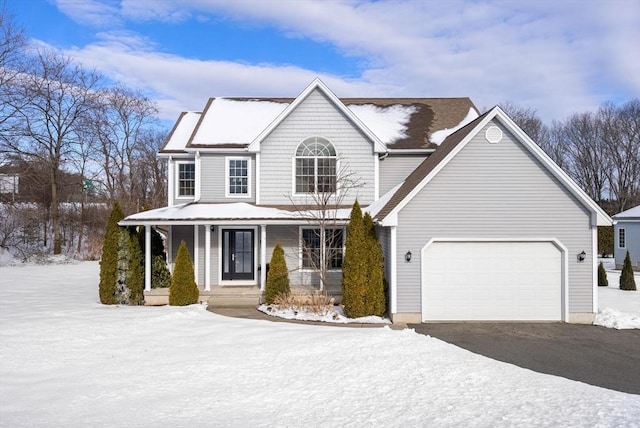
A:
[315,116]
[494,191]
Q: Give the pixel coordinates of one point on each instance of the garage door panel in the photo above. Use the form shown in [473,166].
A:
[492,281]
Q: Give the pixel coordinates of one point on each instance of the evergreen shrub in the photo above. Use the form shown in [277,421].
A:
[602,276]
[109,260]
[375,302]
[627,281]
[354,266]
[277,276]
[183,290]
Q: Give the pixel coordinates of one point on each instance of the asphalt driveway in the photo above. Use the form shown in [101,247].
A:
[595,355]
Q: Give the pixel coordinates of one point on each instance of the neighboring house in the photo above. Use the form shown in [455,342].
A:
[476,222]
[626,236]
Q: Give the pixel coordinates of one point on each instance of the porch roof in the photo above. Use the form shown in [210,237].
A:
[228,213]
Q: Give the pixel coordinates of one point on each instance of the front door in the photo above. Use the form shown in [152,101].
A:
[237,254]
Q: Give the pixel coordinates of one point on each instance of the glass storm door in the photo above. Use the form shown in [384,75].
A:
[237,254]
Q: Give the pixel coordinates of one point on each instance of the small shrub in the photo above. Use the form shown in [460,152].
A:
[602,276]
[627,281]
[277,276]
[183,290]
[317,303]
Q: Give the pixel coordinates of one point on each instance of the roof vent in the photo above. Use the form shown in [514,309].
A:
[493,134]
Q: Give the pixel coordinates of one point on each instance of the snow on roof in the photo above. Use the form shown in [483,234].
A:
[375,207]
[438,137]
[216,212]
[182,131]
[631,213]
[389,124]
[228,121]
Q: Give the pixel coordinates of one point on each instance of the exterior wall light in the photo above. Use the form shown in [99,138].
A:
[407,256]
[212,228]
[582,256]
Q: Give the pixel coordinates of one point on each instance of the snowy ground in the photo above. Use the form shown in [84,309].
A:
[617,308]
[67,361]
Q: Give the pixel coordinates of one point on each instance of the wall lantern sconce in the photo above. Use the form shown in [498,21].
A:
[407,256]
[212,228]
[582,256]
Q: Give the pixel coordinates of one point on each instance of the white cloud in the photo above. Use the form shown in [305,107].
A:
[556,57]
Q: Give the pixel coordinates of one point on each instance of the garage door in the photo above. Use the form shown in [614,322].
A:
[492,281]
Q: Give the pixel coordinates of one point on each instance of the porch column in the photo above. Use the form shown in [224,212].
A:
[207,258]
[196,252]
[147,258]
[263,256]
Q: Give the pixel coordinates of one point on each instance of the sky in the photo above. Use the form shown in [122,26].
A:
[555,57]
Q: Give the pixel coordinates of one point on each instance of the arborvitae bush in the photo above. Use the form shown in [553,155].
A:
[124,259]
[183,290]
[605,240]
[160,275]
[376,302]
[109,259]
[135,273]
[627,281]
[277,276]
[602,276]
[354,266]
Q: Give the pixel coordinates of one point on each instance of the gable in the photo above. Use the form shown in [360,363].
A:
[456,142]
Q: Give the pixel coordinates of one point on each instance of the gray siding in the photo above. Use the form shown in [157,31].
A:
[384,236]
[179,234]
[494,191]
[315,116]
[632,243]
[213,178]
[395,168]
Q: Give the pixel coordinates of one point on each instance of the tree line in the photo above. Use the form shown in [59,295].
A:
[599,150]
[74,137]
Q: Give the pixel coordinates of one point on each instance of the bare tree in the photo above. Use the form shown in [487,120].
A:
[620,130]
[56,94]
[120,126]
[150,171]
[322,247]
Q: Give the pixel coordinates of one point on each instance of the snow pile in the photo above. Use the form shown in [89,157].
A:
[68,361]
[333,315]
[612,318]
[439,136]
[389,124]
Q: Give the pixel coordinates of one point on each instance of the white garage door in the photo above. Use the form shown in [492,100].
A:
[492,281]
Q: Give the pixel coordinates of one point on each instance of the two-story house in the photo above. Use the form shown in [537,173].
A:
[475,220]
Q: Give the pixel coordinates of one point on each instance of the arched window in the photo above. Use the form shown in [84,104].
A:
[315,166]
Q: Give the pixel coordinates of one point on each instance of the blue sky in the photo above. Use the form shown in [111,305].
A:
[557,57]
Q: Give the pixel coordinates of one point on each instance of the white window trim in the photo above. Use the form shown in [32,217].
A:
[226,177]
[624,232]
[177,180]
[293,169]
[322,243]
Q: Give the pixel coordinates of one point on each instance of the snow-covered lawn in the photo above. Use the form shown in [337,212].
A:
[67,361]
[617,308]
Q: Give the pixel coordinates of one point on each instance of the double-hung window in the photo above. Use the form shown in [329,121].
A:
[318,245]
[186,179]
[315,166]
[238,179]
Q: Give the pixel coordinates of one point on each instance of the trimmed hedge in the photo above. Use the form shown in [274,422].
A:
[602,276]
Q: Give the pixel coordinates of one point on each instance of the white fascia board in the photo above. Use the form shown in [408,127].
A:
[216,150]
[410,151]
[379,146]
[603,218]
[203,222]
